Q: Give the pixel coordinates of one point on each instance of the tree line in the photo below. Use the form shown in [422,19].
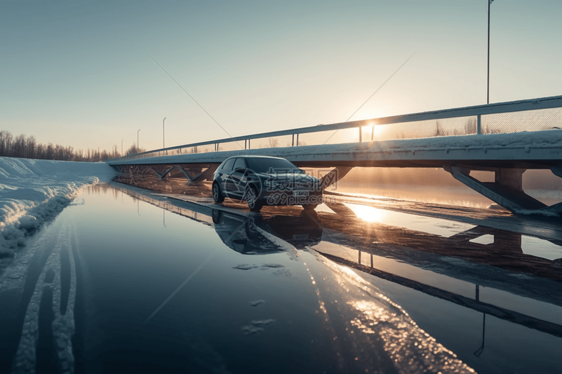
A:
[27,147]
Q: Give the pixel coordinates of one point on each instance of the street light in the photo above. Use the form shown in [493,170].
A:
[163,137]
[122,147]
[138,146]
[488,82]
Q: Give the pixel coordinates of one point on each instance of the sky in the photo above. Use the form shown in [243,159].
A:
[90,74]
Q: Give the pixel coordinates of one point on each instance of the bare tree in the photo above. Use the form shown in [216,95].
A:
[18,147]
[8,144]
[439,129]
[27,147]
[471,126]
[133,150]
[30,145]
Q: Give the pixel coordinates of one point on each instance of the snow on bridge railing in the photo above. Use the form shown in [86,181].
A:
[508,117]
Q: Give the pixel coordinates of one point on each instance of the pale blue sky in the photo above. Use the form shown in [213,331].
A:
[79,72]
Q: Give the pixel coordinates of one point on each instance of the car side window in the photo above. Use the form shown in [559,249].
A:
[240,163]
[228,165]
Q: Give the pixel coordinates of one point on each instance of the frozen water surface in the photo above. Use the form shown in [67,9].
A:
[123,280]
[428,225]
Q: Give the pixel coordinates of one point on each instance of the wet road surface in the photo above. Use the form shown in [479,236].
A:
[125,280]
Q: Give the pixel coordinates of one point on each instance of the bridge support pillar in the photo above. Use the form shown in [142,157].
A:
[334,176]
[557,170]
[201,175]
[163,174]
[506,191]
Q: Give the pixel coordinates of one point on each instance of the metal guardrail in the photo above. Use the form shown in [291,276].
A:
[515,116]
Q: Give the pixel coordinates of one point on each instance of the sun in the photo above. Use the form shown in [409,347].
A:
[372,131]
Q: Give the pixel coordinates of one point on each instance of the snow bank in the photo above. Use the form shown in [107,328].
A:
[32,191]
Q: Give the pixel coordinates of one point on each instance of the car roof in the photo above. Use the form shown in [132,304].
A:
[252,156]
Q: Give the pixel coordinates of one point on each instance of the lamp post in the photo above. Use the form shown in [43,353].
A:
[488,81]
[138,144]
[163,137]
[122,147]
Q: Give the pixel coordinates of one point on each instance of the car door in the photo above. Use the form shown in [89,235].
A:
[238,177]
[225,176]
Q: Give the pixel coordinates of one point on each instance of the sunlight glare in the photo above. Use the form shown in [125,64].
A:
[372,131]
[367,213]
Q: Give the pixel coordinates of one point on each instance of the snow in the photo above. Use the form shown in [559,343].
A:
[533,139]
[34,191]
[527,140]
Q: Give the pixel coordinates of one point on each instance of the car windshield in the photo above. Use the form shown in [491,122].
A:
[263,165]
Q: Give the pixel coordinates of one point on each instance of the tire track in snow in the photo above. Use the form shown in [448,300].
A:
[63,325]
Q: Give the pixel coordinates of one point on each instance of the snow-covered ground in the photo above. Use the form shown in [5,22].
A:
[33,191]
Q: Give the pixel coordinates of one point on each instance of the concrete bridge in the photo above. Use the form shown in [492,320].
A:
[504,138]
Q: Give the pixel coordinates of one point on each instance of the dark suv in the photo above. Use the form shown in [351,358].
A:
[262,180]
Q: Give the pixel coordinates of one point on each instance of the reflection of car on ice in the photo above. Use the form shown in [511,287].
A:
[243,233]
[261,180]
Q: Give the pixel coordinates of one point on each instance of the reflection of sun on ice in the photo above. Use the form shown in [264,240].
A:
[412,349]
[372,317]
[367,213]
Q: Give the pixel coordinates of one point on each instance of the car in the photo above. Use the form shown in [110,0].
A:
[264,180]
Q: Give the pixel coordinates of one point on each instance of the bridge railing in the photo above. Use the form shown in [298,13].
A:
[500,118]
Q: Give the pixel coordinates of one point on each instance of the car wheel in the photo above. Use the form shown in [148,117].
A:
[216,215]
[309,206]
[251,197]
[251,228]
[217,194]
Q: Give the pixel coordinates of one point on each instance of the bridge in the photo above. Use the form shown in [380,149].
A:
[505,138]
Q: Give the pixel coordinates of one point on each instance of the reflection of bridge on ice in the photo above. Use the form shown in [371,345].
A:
[504,138]
[407,266]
